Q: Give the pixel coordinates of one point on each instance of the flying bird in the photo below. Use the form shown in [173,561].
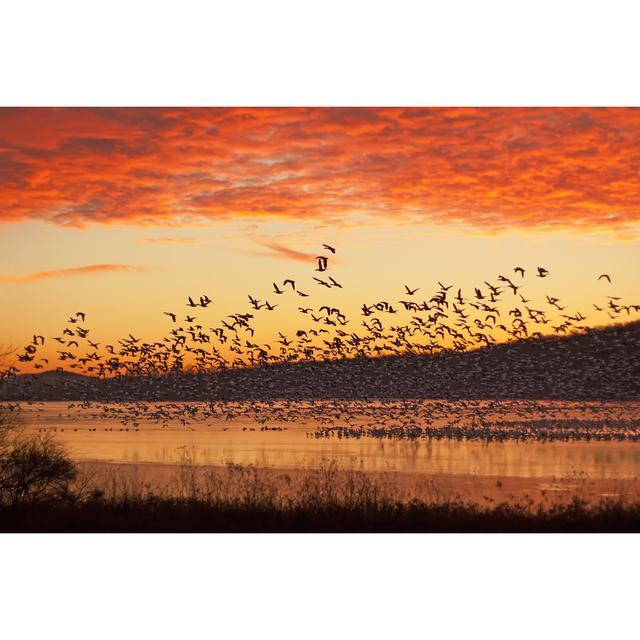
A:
[322,263]
[606,276]
[322,282]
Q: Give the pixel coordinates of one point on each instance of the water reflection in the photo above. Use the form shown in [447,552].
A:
[219,441]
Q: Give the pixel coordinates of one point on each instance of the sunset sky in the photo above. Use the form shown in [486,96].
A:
[123,213]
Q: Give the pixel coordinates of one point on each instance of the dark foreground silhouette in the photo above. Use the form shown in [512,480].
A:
[184,516]
[240,498]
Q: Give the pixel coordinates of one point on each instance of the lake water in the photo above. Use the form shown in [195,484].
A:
[219,434]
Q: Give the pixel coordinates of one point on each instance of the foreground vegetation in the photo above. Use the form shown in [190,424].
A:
[34,468]
[180,515]
[246,499]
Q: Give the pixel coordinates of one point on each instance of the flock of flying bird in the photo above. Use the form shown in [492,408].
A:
[409,420]
[447,320]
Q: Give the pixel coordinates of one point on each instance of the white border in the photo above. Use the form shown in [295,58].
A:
[335,52]
[314,586]
[330,53]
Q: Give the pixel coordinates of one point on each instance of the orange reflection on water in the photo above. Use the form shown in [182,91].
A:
[219,442]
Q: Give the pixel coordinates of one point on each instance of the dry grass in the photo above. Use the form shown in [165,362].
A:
[328,499]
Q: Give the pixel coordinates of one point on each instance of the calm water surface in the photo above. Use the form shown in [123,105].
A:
[218,441]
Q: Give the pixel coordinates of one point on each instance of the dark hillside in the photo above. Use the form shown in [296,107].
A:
[602,364]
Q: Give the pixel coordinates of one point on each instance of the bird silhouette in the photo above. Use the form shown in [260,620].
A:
[322,263]
[438,324]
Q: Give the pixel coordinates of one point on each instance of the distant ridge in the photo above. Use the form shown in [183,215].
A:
[600,364]
[54,374]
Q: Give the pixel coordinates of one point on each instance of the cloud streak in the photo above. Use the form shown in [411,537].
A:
[487,169]
[280,251]
[91,269]
[168,240]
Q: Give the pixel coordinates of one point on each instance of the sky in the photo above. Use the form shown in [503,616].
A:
[123,213]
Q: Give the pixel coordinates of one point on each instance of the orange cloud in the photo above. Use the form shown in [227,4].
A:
[74,271]
[490,168]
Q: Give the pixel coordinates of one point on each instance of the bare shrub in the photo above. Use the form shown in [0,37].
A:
[34,469]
